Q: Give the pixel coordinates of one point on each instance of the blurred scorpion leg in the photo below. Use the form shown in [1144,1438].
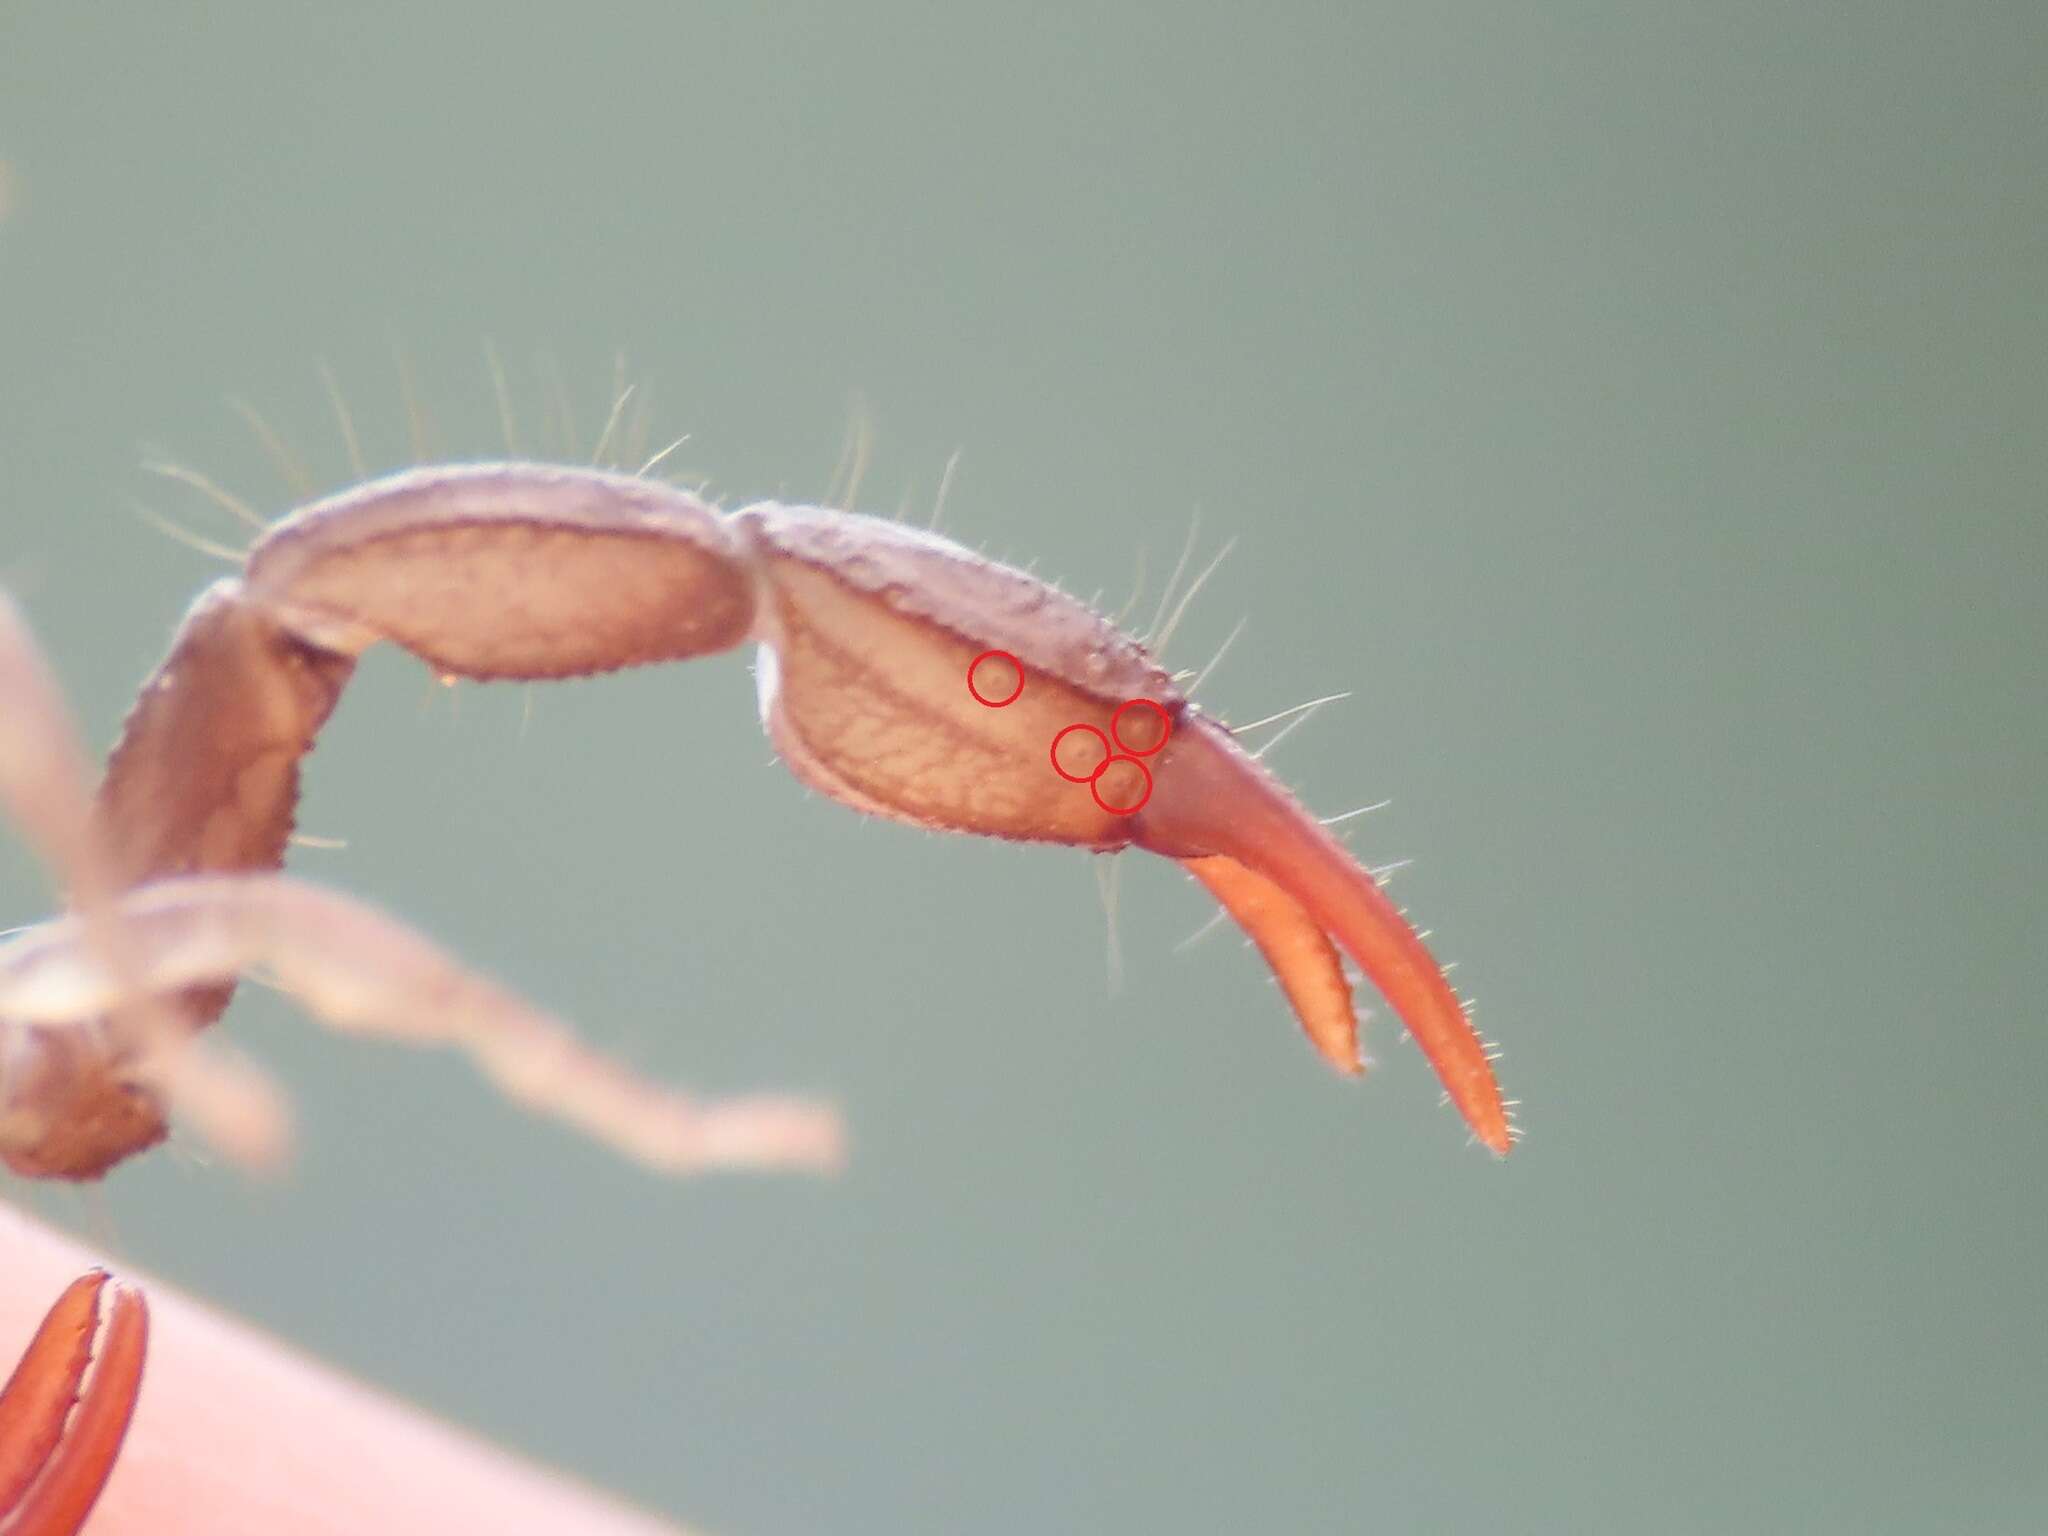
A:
[364,972]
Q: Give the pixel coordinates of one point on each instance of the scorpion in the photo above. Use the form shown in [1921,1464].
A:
[899,673]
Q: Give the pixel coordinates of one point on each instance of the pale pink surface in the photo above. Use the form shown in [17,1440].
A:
[237,1434]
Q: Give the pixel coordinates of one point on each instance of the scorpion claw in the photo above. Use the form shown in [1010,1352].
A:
[65,1410]
[1299,894]
[871,636]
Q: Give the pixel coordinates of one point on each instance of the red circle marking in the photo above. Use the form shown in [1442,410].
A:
[1165,726]
[1084,778]
[1095,787]
[1014,692]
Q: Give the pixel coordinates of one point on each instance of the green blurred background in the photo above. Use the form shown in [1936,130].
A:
[1643,409]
